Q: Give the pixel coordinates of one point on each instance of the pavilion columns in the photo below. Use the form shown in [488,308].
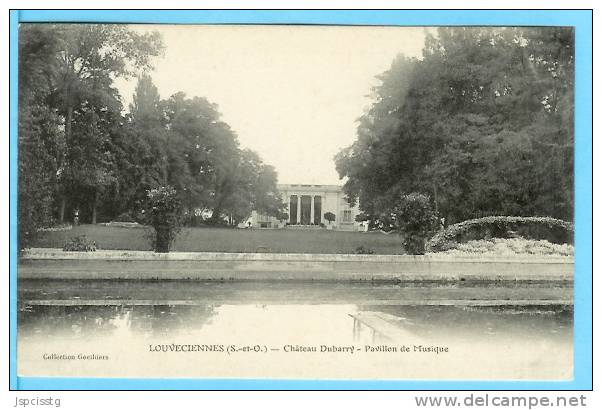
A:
[312,208]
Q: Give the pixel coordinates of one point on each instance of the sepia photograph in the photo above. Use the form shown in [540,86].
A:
[296,202]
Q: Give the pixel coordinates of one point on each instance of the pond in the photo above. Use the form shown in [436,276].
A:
[295,330]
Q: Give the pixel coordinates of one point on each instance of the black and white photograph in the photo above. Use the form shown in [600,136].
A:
[296,202]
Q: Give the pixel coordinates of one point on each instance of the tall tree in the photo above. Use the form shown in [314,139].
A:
[77,148]
[193,153]
[40,137]
[482,124]
[89,58]
[141,154]
[209,169]
[145,109]
[254,187]
[92,167]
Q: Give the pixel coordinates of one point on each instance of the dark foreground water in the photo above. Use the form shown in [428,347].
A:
[352,331]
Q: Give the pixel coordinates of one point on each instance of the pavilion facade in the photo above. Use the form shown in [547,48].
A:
[306,206]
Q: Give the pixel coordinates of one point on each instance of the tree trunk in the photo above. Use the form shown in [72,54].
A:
[162,239]
[94,206]
[436,199]
[216,214]
[68,120]
[62,208]
[165,172]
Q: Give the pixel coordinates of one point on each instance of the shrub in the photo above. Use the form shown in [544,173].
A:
[80,244]
[361,217]
[330,217]
[57,228]
[124,217]
[193,220]
[514,246]
[537,228]
[164,214]
[360,250]
[416,221]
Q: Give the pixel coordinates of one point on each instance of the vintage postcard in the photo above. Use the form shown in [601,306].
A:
[296,202]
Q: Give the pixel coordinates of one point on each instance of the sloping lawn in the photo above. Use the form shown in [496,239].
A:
[232,240]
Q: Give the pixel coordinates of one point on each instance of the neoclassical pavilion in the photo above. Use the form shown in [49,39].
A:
[307,204]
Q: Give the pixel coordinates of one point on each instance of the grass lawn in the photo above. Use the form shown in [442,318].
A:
[232,240]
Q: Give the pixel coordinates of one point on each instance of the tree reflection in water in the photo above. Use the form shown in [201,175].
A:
[94,321]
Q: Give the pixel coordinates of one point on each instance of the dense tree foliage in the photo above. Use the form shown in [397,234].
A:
[40,138]
[483,124]
[79,150]
[87,60]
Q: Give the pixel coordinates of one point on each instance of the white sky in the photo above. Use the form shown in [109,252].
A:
[291,93]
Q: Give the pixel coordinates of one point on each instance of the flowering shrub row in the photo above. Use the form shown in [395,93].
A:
[509,247]
[550,229]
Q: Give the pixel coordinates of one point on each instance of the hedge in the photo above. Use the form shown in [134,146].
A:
[535,227]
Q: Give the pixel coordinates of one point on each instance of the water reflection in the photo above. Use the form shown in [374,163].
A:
[114,321]
[340,323]
[497,342]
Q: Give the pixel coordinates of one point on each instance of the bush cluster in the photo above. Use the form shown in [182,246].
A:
[537,228]
[164,214]
[125,217]
[360,250]
[80,244]
[416,220]
[515,246]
